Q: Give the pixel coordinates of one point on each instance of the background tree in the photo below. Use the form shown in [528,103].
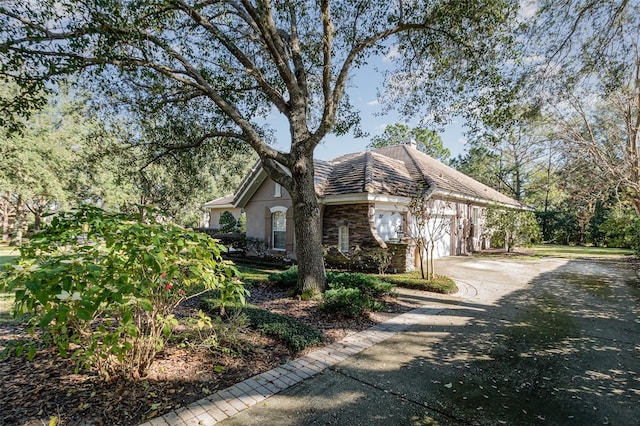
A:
[511,228]
[507,148]
[37,162]
[66,155]
[428,141]
[585,71]
[480,163]
[234,61]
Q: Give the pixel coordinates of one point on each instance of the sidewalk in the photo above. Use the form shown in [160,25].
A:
[241,396]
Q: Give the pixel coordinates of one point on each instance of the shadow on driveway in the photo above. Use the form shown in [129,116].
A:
[557,347]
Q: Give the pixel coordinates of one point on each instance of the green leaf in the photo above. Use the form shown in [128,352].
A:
[85,314]
[146,304]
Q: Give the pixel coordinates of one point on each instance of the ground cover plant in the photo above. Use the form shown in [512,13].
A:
[295,334]
[197,359]
[102,287]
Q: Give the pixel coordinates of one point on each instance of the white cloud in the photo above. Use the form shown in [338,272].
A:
[374,102]
[528,9]
[393,52]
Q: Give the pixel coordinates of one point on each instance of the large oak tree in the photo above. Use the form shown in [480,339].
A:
[236,61]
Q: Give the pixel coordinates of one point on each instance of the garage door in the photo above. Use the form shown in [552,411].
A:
[442,237]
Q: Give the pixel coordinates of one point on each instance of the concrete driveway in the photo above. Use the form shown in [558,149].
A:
[549,341]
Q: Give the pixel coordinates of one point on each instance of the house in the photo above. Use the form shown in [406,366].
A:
[217,207]
[364,200]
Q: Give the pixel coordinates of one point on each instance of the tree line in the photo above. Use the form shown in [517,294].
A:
[66,155]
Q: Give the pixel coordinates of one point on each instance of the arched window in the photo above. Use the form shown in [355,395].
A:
[343,238]
[279,228]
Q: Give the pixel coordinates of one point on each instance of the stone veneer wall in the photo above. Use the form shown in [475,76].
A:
[401,257]
[356,217]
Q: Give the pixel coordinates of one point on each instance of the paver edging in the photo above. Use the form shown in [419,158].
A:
[240,396]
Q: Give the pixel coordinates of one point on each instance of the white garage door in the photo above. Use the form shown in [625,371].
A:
[440,230]
[443,238]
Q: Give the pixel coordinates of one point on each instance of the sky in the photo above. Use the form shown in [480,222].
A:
[363,94]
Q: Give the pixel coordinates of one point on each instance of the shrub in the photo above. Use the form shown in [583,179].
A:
[102,286]
[511,228]
[347,302]
[241,224]
[227,222]
[370,286]
[285,279]
[294,334]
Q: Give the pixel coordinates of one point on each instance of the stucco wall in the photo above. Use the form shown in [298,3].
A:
[259,215]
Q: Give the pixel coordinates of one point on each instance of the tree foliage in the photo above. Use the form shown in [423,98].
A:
[511,228]
[428,141]
[589,77]
[44,167]
[232,62]
[102,287]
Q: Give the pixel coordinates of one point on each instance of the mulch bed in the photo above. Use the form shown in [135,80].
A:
[31,393]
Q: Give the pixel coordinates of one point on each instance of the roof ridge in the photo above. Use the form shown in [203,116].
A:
[368,172]
[418,167]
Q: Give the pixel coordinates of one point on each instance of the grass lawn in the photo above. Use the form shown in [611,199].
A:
[254,275]
[6,299]
[413,279]
[578,251]
[7,253]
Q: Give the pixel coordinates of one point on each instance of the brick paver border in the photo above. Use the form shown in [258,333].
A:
[227,402]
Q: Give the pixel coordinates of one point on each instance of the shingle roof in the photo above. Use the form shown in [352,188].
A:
[322,171]
[227,200]
[443,177]
[399,170]
[368,172]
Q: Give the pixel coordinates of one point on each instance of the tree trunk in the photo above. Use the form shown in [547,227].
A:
[38,220]
[420,256]
[18,222]
[432,264]
[306,218]
[5,220]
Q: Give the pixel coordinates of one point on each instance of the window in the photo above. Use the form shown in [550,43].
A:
[279,230]
[278,191]
[343,238]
